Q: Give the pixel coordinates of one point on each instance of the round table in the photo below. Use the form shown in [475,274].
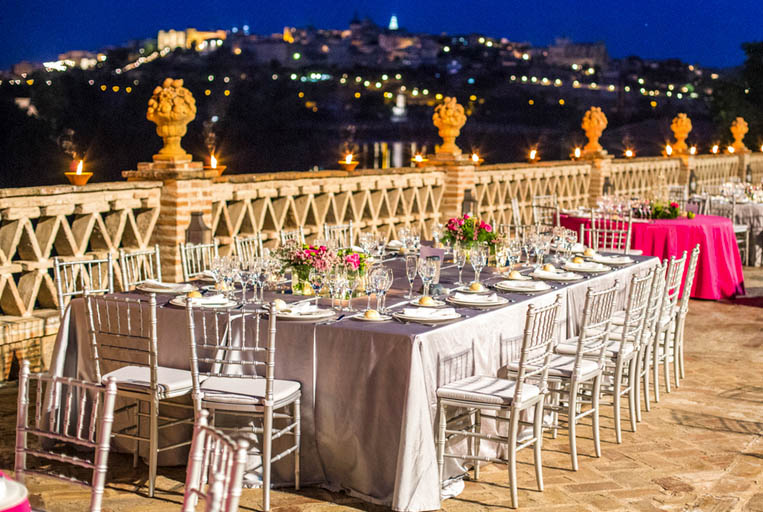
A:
[719,269]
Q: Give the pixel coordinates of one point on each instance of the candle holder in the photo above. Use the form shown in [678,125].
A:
[219,169]
[348,166]
[420,161]
[476,159]
[78,179]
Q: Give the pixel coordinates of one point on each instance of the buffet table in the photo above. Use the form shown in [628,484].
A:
[719,269]
[368,389]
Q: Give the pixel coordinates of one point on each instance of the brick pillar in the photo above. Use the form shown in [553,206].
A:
[744,161]
[600,172]
[459,179]
[684,172]
[187,188]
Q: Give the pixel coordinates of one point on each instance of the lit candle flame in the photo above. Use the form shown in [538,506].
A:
[761,148]
[577,152]
[629,153]
[533,154]
[79,167]
[418,157]
[475,157]
[213,162]
[730,149]
[693,150]
[668,149]
[348,158]
[715,149]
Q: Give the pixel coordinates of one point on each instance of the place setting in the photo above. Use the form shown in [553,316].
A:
[153,286]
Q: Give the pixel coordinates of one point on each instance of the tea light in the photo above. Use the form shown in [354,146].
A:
[533,156]
[714,149]
[576,153]
[78,177]
[668,150]
[476,160]
[693,150]
[419,160]
[213,165]
[347,163]
[629,153]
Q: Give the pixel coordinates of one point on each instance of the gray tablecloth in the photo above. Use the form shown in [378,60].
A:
[368,389]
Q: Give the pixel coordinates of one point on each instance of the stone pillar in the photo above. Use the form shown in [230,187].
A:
[600,172]
[687,165]
[744,162]
[458,179]
[187,188]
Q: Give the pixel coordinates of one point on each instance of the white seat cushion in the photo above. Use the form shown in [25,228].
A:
[612,350]
[632,252]
[486,390]
[171,381]
[741,228]
[247,392]
[562,366]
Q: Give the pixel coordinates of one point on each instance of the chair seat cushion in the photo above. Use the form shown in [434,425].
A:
[612,350]
[171,381]
[741,228]
[486,390]
[562,365]
[247,392]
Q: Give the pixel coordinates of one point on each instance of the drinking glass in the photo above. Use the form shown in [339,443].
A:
[478,259]
[415,237]
[515,252]
[459,257]
[317,280]
[427,271]
[404,234]
[366,241]
[353,280]
[370,286]
[437,228]
[333,282]
[411,267]
[385,283]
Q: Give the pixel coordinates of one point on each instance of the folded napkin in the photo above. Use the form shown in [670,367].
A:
[208,300]
[578,247]
[429,312]
[305,308]
[526,285]
[394,244]
[613,260]
[358,248]
[553,275]
[209,274]
[166,286]
[586,265]
[473,297]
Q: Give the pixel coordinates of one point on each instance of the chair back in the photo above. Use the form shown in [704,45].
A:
[610,232]
[248,248]
[67,412]
[139,266]
[196,258]
[342,233]
[217,462]
[123,333]
[73,277]
[636,309]
[546,211]
[696,205]
[594,327]
[672,288]
[538,343]
[678,194]
[294,235]
[230,344]
[683,308]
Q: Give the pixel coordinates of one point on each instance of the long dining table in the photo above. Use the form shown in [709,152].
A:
[369,389]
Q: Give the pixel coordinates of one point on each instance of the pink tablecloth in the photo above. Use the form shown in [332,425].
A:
[12,489]
[719,270]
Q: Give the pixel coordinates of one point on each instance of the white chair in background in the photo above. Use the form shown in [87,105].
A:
[124,347]
[610,232]
[727,208]
[546,211]
[508,399]
[197,258]
[73,277]
[139,266]
[342,233]
[678,194]
[226,353]
[217,462]
[296,235]
[68,413]
[248,248]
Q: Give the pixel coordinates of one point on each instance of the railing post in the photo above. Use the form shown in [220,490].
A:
[684,171]
[458,179]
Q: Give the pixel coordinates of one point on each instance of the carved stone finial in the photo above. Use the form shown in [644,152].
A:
[594,123]
[449,118]
[739,130]
[681,127]
[171,107]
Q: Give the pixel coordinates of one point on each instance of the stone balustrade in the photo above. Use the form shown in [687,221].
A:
[640,176]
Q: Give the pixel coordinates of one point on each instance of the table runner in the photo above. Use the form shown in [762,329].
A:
[368,390]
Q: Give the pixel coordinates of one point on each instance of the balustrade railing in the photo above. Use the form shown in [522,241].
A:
[641,176]
[756,168]
[714,170]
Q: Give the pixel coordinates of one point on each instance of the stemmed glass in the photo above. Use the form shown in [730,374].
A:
[415,237]
[514,249]
[353,280]
[437,228]
[370,287]
[459,257]
[427,271]
[366,241]
[478,259]
[317,279]
[334,282]
[385,283]
[570,239]
[411,267]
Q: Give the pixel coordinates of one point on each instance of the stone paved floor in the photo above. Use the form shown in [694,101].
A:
[700,449]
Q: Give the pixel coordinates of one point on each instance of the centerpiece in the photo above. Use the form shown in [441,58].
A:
[661,210]
[301,259]
[467,231]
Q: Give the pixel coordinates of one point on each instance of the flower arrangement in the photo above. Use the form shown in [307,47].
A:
[672,210]
[467,230]
[302,258]
[353,261]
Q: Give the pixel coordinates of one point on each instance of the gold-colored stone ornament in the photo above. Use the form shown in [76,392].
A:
[681,127]
[739,129]
[449,118]
[594,123]
[171,107]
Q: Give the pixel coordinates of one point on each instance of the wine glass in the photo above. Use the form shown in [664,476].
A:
[427,271]
[411,267]
[404,234]
[437,228]
[353,280]
[385,283]
[333,282]
[459,257]
[478,259]
[415,237]
[366,241]
[317,280]
[370,286]
[514,248]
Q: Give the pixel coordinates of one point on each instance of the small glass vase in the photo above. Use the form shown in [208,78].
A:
[300,284]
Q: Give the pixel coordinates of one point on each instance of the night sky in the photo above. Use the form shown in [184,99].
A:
[704,32]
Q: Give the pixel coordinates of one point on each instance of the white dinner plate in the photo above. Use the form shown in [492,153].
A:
[310,315]
[612,260]
[362,318]
[436,303]
[500,301]
[427,319]
[520,278]
[180,301]
[522,286]
[466,289]
[560,276]
[589,267]
[179,288]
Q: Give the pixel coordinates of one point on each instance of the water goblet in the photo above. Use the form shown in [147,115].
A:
[478,259]
[385,283]
[459,257]
[427,271]
[317,280]
[411,267]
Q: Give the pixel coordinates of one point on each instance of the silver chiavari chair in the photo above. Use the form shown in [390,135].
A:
[678,194]
[727,208]
[123,343]
[342,233]
[248,248]
[73,277]
[610,232]
[139,266]
[569,375]
[227,359]
[683,310]
[197,258]
[508,399]
[68,413]
[217,462]
[662,352]
[546,211]
[295,235]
